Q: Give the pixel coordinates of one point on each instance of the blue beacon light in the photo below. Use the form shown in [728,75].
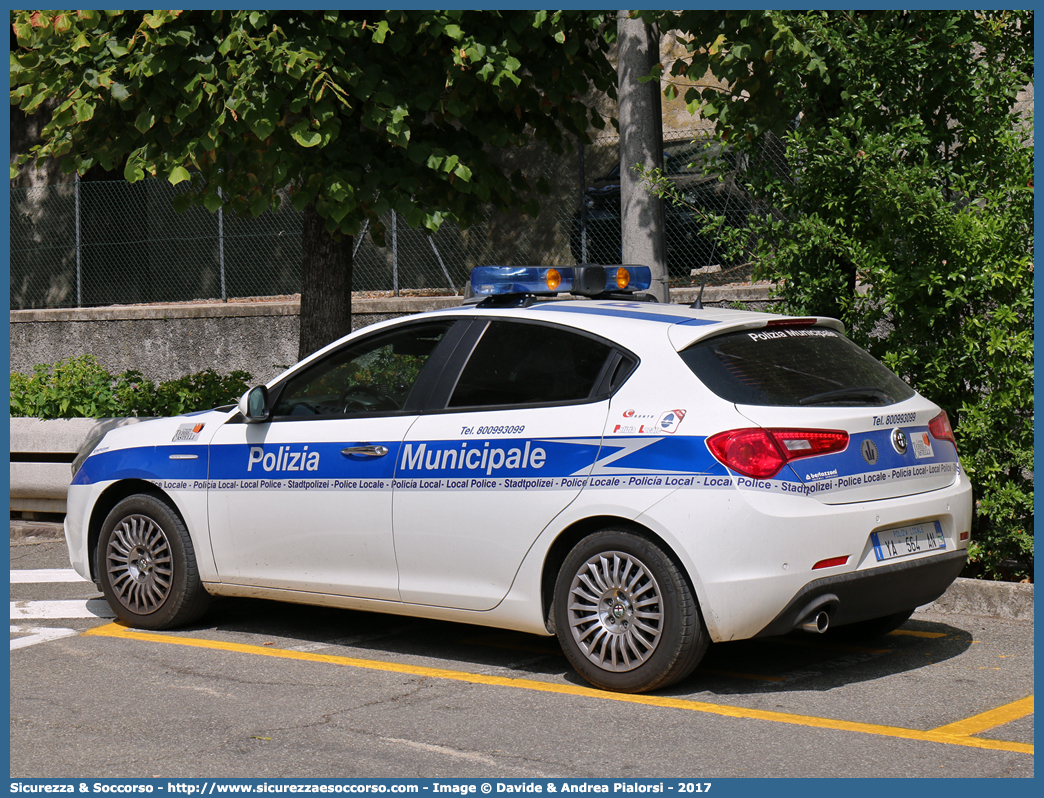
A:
[548,281]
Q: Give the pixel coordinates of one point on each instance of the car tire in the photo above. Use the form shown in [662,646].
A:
[147,566]
[625,615]
[871,628]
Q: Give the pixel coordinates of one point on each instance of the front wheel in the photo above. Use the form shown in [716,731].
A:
[147,566]
[625,615]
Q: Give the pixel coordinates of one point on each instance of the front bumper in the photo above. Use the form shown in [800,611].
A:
[80,499]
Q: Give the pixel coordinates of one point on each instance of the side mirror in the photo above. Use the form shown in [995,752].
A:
[254,404]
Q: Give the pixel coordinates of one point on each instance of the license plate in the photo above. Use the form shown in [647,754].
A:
[905,541]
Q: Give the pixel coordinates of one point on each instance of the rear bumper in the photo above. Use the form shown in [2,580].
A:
[870,593]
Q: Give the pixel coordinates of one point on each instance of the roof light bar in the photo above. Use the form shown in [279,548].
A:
[547,281]
[497,280]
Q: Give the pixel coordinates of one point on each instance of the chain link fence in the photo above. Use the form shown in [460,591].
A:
[110,242]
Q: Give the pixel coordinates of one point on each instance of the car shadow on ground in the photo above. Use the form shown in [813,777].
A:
[795,662]
[802,662]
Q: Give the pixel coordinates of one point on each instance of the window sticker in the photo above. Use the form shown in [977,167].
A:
[670,420]
[922,445]
[188,432]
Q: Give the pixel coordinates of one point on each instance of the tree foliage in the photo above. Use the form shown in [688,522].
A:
[353,112]
[360,112]
[907,213]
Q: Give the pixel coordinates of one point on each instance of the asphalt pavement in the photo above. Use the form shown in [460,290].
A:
[271,690]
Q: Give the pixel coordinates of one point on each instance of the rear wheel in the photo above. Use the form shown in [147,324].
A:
[869,629]
[625,615]
[147,565]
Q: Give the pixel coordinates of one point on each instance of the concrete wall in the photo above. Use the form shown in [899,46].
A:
[165,342]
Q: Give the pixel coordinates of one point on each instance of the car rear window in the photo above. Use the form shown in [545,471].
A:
[793,366]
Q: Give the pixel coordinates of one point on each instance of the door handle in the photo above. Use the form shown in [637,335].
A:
[366,450]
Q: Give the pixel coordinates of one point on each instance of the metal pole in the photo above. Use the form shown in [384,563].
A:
[79,287]
[359,238]
[395,254]
[445,271]
[583,207]
[221,249]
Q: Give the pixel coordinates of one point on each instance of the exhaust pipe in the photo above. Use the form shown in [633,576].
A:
[816,623]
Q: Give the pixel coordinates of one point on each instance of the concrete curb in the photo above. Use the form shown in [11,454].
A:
[35,530]
[1010,601]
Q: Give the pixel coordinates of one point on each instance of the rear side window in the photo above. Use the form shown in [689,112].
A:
[793,366]
[522,364]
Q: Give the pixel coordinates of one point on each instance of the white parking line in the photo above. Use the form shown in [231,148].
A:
[71,608]
[50,610]
[40,575]
[41,634]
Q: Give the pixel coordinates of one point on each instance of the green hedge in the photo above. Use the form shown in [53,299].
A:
[79,387]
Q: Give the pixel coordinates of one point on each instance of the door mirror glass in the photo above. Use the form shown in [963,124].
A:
[254,404]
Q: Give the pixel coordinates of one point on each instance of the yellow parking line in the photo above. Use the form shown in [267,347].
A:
[944,735]
[990,719]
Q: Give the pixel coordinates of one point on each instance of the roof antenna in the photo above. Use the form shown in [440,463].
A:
[698,304]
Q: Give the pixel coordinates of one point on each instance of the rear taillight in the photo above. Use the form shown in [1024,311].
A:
[941,429]
[761,452]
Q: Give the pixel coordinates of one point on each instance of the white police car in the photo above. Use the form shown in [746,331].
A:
[639,479]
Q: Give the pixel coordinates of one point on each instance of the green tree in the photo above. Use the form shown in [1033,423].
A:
[907,212]
[354,112]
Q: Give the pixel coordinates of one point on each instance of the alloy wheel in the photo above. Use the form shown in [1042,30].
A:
[139,564]
[615,611]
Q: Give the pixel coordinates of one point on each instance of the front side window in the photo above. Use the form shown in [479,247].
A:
[374,375]
[798,366]
[525,364]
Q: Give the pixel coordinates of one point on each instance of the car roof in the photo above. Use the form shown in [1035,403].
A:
[621,320]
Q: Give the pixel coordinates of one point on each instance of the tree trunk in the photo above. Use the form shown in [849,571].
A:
[642,223]
[326,285]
